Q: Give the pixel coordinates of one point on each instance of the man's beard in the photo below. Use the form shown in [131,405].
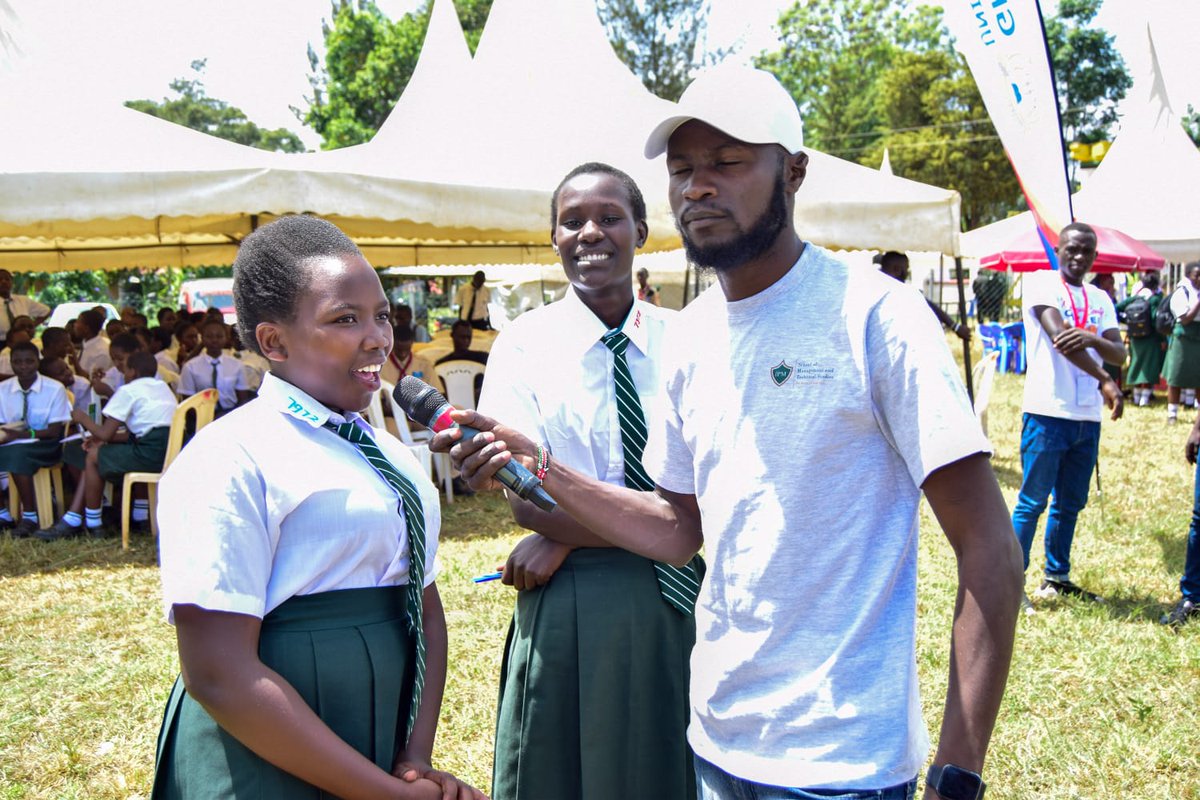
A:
[748,245]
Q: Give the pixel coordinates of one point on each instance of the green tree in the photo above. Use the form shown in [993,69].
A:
[1088,70]
[657,39]
[193,108]
[832,56]
[369,60]
[938,132]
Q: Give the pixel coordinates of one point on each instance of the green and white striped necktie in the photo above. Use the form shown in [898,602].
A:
[414,516]
[679,585]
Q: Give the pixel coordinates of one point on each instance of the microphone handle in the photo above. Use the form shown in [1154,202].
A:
[518,479]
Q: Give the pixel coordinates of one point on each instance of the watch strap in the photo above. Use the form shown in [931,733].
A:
[933,778]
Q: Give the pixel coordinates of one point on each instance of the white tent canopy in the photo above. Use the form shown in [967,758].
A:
[1145,187]
[460,173]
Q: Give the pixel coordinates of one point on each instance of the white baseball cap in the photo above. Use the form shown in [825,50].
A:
[745,103]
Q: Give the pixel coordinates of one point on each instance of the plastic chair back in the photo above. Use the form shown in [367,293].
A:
[983,376]
[459,379]
[204,405]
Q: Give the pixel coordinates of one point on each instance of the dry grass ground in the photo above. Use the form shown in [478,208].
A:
[1102,701]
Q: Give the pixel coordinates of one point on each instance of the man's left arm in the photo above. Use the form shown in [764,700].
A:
[968,504]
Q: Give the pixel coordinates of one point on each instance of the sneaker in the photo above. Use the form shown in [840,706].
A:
[59,530]
[1051,589]
[23,529]
[1184,610]
[1026,605]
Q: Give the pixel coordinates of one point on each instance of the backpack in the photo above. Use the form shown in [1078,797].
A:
[1137,317]
[1164,320]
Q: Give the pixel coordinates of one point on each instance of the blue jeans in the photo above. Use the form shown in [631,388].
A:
[714,783]
[1190,583]
[1057,455]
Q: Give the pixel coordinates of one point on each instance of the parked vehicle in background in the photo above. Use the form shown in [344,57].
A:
[65,312]
[205,293]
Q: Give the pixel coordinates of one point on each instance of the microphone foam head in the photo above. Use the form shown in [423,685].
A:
[420,401]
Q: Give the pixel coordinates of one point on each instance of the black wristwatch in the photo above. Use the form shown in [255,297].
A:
[955,783]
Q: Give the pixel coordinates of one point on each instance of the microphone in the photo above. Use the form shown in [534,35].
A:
[426,405]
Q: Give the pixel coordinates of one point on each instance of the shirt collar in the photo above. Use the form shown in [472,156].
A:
[295,402]
[584,329]
[34,388]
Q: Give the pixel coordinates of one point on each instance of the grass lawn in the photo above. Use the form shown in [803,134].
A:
[1102,702]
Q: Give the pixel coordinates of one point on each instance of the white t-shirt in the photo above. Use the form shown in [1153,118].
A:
[142,405]
[550,376]
[1054,387]
[265,504]
[804,419]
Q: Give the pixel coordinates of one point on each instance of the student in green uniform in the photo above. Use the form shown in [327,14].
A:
[594,686]
[33,410]
[298,557]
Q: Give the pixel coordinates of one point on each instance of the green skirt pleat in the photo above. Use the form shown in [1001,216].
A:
[1183,357]
[594,687]
[26,458]
[348,654]
[1146,358]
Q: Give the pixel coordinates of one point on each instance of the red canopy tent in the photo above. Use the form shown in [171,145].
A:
[1115,252]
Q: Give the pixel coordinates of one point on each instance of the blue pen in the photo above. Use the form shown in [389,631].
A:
[491,576]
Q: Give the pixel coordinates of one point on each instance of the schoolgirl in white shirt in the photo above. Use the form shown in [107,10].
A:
[215,368]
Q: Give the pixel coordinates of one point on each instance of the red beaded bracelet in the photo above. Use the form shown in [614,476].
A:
[543,462]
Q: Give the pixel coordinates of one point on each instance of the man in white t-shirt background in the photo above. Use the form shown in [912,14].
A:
[1070,329]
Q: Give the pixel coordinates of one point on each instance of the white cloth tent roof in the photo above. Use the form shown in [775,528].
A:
[461,171]
[1146,186]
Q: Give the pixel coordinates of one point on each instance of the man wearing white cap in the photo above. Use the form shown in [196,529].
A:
[796,443]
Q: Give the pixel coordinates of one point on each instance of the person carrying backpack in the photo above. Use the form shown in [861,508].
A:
[1147,347]
[1182,367]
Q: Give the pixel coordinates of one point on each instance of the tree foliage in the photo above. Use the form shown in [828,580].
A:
[369,60]
[657,39]
[1088,70]
[832,56]
[1191,124]
[193,108]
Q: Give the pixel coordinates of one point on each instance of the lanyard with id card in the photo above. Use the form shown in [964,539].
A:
[1087,388]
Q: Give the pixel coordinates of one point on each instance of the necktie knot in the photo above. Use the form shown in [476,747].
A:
[615,341]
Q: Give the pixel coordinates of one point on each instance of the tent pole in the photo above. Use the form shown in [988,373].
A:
[962,318]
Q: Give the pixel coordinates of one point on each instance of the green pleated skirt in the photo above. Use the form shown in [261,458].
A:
[348,654]
[594,687]
[26,458]
[1182,368]
[1146,356]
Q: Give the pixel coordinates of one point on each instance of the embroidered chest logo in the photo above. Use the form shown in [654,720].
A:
[780,373]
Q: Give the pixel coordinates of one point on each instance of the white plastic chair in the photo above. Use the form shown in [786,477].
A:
[458,377]
[982,378]
[417,444]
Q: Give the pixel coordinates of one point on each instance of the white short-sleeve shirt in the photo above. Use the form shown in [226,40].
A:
[265,504]
[47,402]
[197,375]
[142,405]
[94,355]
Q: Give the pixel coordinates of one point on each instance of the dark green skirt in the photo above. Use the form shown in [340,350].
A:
[1183,357]
[1146,356]
[144,453]
[26,458]
[594,687]
[347,653]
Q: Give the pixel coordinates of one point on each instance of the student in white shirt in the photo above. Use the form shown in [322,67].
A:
[33,411]
[214,368]
[143,407]
[93,355]
[595,611]
[80,388]
[22,331]
[271,521]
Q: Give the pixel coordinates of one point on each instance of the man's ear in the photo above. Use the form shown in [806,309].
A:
[643,232]
[271,341]
[795,170]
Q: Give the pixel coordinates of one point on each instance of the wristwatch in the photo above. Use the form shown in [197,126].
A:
[955,783]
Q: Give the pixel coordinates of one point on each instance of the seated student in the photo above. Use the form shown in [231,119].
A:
[80,388]
[403,361]
[33,411]
[188,336]
[161,341]
[123,346]
[402,317]
[19,333]
[167,319]
[215,368]
[93,349]
[144,406]
[460,334]
[114,328]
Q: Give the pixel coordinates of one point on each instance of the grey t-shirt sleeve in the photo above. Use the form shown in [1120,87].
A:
[668,458]
[919,399]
